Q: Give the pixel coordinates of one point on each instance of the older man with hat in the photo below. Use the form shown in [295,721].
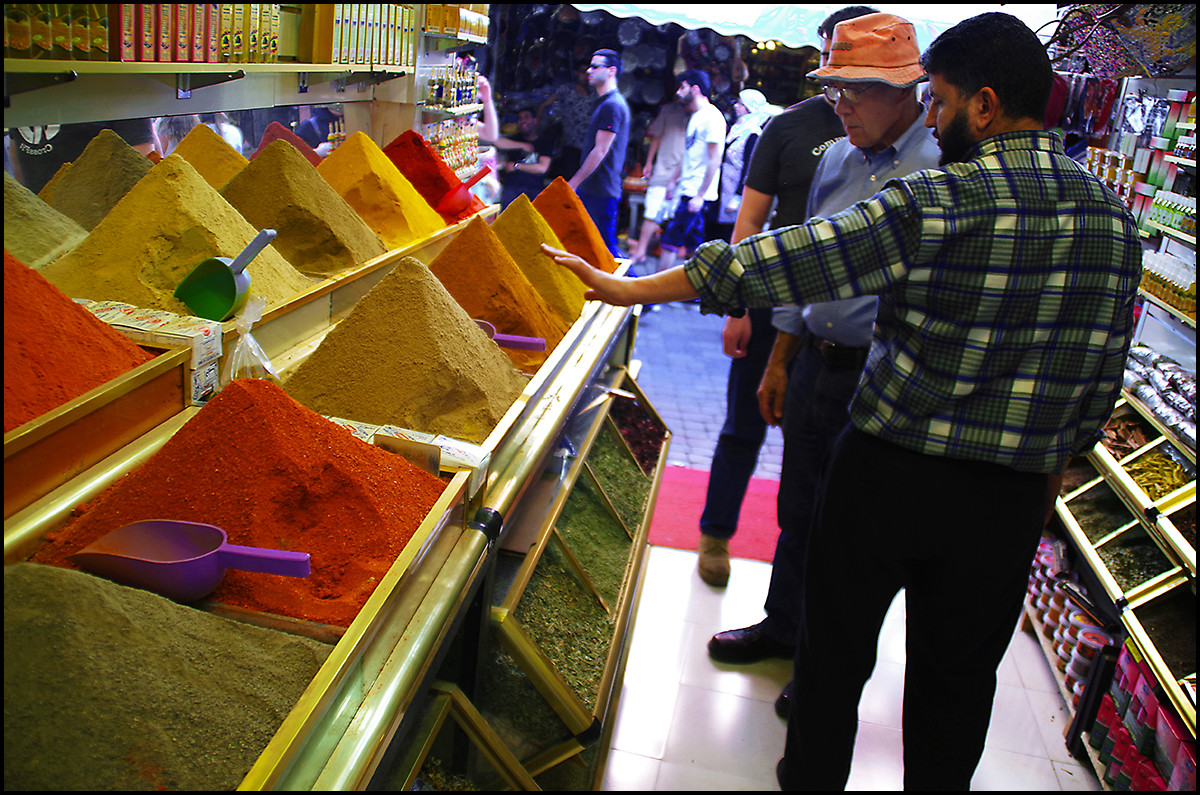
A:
[870,79]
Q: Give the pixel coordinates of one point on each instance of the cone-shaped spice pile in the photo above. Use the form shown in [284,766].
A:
[211,155]
[362,174]
[277,132]
[167,225]
[565,213]
[424,168]
[481,276]
[317,231]
[522,230]
[54,349]
[408,355]
[273,474]
[35,232]
[104,172]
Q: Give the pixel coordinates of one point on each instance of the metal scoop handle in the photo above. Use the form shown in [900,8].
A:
[251,251]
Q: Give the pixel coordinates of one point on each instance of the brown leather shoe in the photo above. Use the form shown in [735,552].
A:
[714,560]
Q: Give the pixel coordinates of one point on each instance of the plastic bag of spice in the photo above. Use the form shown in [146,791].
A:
[248,359]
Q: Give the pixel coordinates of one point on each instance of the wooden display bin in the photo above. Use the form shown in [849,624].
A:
[45,453]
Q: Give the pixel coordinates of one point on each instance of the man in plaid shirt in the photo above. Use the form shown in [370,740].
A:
[1006,284]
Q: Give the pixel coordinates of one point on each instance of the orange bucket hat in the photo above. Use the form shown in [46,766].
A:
[874,48]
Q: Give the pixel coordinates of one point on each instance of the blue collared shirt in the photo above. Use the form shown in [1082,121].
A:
[845,175]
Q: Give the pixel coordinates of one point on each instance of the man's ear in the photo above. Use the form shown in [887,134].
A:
[984,109]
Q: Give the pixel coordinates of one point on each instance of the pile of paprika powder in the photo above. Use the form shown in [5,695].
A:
[54,349]
[272,474]
[424,168]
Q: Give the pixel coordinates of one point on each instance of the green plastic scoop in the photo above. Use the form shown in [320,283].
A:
[218,287]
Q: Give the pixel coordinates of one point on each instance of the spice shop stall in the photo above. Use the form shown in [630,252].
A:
[500,500]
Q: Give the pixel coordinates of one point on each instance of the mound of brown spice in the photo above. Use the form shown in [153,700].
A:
[316,230]
[104,172]
[408,355]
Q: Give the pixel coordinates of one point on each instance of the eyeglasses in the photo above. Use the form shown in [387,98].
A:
[850,94]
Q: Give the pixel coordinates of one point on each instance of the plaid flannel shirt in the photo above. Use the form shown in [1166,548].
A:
[1006,285]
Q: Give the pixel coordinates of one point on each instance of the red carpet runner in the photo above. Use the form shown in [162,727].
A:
[676,520]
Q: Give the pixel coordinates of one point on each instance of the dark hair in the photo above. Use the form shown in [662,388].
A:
[696,77]
[825,29]
[530,109]
[998,51]
[611,58]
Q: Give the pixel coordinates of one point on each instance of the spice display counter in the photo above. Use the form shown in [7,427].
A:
[376,689]
[1127,518]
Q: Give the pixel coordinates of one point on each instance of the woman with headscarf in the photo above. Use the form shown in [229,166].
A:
[753,111]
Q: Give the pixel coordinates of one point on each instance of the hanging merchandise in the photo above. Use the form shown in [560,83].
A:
[1130,40]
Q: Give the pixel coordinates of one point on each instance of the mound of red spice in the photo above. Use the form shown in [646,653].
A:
[272,474]
[565,213]
[424,168]
[277,132]
[54,349]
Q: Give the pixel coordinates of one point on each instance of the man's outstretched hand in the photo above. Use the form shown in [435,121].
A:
[669,285]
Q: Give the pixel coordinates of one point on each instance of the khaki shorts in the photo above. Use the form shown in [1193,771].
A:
[658,209]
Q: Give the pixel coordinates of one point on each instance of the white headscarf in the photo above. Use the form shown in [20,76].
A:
[758,111]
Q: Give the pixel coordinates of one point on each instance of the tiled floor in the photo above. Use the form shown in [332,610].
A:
[688,723]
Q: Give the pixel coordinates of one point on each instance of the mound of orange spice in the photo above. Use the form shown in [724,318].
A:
[272,474]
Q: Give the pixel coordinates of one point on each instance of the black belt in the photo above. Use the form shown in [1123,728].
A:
[841,357]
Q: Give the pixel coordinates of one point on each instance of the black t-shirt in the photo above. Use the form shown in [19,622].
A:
[524,181]
[786,156]
[40,151]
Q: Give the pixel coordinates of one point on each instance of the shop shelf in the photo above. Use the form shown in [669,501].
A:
[1164,632]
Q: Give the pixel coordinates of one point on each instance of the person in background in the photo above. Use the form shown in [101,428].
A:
[752,114]
[38,152]
[781,168]
[222,125]
[315,130]
[696,184]
[598,180]
[574,102]
[529,154]
[1007,281]
[667,135]
[743,431]
[170,130]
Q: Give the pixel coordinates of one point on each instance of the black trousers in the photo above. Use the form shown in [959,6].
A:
[959,537]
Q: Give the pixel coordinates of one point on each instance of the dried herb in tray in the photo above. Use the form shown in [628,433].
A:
[1099,511]
[1133,558]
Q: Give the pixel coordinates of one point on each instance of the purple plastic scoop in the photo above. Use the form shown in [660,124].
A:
[511,341]
[184,561]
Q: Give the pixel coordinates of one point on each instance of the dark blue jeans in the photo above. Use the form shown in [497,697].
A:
[741,436]
[816,410]
[955,535]
[603,212]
